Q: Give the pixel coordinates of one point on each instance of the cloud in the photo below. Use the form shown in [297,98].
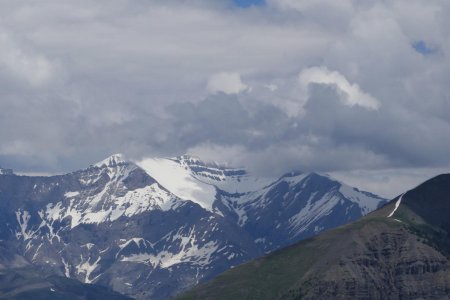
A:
[226,82]
[388,183]
[248,3]
[80,80]
[271,87]
[27,66]
[352,94]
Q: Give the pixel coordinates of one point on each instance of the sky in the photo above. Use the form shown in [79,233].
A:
[356,89]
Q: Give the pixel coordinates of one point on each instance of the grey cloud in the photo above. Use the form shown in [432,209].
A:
[81,80]
[222,120]
[402,135]
[330,136]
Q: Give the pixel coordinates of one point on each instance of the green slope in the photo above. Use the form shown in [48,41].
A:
[405,256]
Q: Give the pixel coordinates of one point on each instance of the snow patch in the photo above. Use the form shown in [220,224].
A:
[397,204]
[180,181]
[313,212]
[89,246]
[66,268]
[113,160]
[23,217]
[260,240]
[365,202]
[86,268]
[190,251]
[71,194]
[106,207]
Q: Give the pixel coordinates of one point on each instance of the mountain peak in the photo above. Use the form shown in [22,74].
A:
[292,174]
[430,201]
[6,171]
[192,160]
[188,157]
[111,161]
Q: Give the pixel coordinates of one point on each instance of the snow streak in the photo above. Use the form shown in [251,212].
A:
[397,204]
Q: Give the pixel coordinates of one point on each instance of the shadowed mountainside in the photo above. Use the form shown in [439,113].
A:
[29,283]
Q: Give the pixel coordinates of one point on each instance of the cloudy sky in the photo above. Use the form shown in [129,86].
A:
[358,89]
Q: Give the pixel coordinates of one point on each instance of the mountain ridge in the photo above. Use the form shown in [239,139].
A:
[126,226]
[392,253]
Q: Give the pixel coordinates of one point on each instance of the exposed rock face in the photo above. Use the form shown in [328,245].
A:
[153,229]
[400,251]
[386,263]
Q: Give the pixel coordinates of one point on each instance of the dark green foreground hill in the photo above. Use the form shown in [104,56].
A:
[405,256]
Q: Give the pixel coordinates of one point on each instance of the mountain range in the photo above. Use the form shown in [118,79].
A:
[153,228]
[400,251]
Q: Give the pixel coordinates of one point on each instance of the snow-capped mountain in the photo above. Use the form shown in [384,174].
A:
[400,251]
[153,228]
[6,171]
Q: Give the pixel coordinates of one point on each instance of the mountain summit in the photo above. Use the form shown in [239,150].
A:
[6,171]
[111,161]
[400,251]
[153,228]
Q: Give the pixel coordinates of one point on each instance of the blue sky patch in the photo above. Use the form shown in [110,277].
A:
[248,3]
[423,48]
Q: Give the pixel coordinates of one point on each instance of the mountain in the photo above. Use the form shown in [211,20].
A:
[400,251]
[153,228]
[29,283]
[275,211]
[21,280]
[6,171]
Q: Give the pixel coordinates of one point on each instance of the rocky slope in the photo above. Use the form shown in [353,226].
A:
[154,228]
[30,283]
[21,280]
[400,251]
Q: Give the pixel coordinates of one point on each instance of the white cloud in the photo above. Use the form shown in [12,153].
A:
[308,5]
[33,68]
[352,93]
[272,87]
[226,82]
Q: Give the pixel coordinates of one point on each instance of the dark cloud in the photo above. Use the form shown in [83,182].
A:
[329,136]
